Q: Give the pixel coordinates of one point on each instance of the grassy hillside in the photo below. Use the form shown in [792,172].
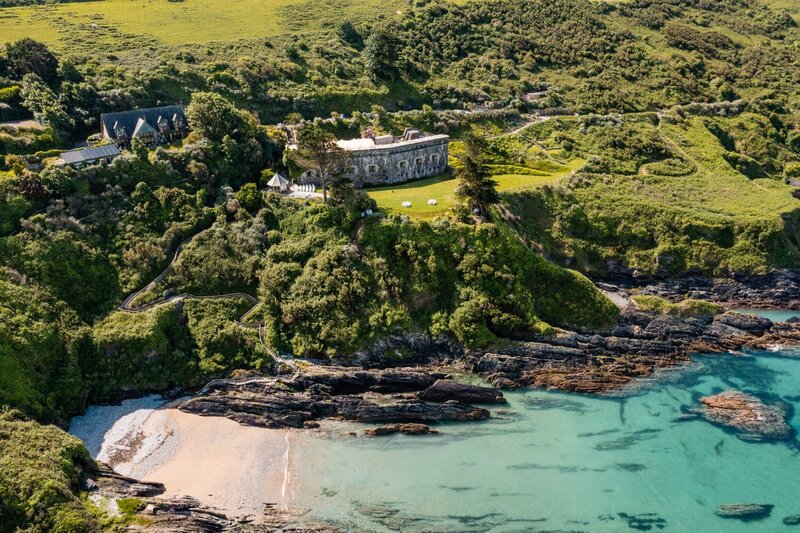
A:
[442,188]
[110,23]
[671,195]
[283,56]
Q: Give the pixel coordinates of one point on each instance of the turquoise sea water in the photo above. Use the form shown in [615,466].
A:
[776,315]
[564,462]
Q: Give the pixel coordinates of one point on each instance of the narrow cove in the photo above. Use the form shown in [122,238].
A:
[545,461]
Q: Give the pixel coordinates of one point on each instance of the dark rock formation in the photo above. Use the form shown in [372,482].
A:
[745,511]
[375,396]
[793,520]
[118,485]
[639,345]
[746,414]
[777,290]
[407,429]
[447,389]
[184,513]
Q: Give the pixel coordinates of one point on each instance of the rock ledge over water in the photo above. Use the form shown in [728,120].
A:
[403,395]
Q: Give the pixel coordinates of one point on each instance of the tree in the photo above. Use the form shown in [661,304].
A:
[475,185]
[348,33]
[40,100]
[214,117]
[380,54]
[249,197]
[27,56]
[317,150]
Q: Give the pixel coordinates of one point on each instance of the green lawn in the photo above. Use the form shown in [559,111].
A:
[442,189]
[77,26]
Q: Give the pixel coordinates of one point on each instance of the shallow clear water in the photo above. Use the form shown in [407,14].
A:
[776,315]
[552,461]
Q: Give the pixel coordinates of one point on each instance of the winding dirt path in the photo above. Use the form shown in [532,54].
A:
[127,305]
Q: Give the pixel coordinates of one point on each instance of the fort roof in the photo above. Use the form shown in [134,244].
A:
[380,143]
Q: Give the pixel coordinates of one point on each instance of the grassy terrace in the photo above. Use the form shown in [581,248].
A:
[442,189]
[175,23]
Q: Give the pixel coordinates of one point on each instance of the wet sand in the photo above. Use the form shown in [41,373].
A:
[233,468]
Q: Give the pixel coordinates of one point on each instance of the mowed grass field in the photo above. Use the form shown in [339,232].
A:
[442,189]
[78,26]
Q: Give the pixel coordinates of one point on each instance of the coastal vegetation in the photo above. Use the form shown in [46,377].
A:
[660,195]
[625,138]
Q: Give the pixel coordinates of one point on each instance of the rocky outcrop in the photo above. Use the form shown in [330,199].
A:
[777,290]
[112,483]
[447,389]
[640,345]
[406,429]
[406,349]
[745,511]
[746,414]
[372,396]
[183,513]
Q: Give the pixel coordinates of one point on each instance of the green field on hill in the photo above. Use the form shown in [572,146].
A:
[663,197]
[442,189]
[78,26]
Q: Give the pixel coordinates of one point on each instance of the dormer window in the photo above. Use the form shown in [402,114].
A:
[163,126]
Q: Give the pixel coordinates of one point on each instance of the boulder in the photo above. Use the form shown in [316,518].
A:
[447,389]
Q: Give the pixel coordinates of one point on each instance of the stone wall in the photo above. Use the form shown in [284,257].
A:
[403,161]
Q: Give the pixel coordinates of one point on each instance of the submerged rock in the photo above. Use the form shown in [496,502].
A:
[407,429]
[745,511]
[793,520]
[746,414]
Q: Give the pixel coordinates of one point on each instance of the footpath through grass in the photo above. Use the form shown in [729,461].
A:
[442,189]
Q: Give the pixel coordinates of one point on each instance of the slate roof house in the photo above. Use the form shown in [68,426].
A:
[90,156]
[154,125]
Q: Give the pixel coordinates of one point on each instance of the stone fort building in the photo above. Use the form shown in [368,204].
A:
[389,159]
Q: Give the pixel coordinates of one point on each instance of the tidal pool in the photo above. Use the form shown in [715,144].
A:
[563,462]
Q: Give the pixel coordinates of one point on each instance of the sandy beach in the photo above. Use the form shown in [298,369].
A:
[233,468]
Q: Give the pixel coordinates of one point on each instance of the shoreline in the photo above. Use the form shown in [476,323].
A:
[237,470]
